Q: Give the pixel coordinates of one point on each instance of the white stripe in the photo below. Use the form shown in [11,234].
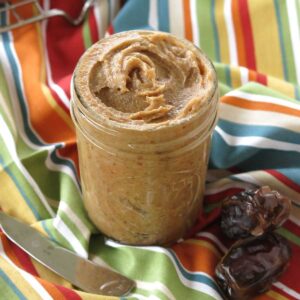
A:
[153,14]
[246,177]
[245,116]
[150,286]
[176,17]
[114,8]
[138,296]
[256,141]
[195,26]
[230,33]
[10,144]
[64,230]
[244,75]
[27,276]
[286,289]
[55,87]
[213,238]
[63,206]
[263,98]
[295,34]
[62,168]
[100,9]
[191,284]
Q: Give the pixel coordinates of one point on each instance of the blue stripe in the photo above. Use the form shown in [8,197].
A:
[283,52]
[163,15]
[19,187]
[11,285]
[271,132]
[297,92]
[133,15]
[194,276]
[292,173]
[65,162]
[49,233]
[215,30]
[249,158]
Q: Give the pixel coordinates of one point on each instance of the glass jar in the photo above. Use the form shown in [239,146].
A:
[143,186]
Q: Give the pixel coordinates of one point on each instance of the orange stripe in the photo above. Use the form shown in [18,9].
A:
[187,20]
[44,119]
[260,106]
[252,75]
[195,258]
[239,34]
[264,297]
[51,289]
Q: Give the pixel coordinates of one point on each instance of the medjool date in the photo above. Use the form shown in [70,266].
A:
[253,212]
[252,265]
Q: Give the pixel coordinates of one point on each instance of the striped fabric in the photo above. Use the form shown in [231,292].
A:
[255,46]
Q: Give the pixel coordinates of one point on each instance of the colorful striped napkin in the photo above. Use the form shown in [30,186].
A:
[255,46]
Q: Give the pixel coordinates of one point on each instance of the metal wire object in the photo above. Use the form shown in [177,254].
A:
[42,14]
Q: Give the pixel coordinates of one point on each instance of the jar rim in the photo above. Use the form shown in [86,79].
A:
[97,118]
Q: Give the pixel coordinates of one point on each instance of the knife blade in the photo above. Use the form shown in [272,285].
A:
[82,273]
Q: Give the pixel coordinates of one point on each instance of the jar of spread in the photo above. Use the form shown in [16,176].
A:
[144,104]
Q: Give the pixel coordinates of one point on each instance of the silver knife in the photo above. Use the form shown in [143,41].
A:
[81,272]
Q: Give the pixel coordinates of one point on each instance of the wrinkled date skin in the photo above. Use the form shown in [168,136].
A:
[254,212]
[252,265]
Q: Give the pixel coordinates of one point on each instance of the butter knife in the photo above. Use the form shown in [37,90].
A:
[82,273]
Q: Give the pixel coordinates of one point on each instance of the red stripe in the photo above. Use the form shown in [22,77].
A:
[248,35]
[95,35]
[261,78]
[24,259]
[110,29]
[66,45]
[68,293]
[285,180]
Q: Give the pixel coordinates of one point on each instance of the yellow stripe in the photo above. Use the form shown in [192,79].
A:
[205,244]
[222,32]
[266,39]
[276,295]
[50,276]
[15,276]
[12,202]
[235,77]
[46,91]
[281,86]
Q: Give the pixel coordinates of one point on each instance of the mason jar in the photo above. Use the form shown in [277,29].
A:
[142,184]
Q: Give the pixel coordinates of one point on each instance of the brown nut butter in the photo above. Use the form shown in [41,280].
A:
[144,104]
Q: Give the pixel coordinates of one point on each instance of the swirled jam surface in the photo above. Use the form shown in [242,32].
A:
[144,77]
